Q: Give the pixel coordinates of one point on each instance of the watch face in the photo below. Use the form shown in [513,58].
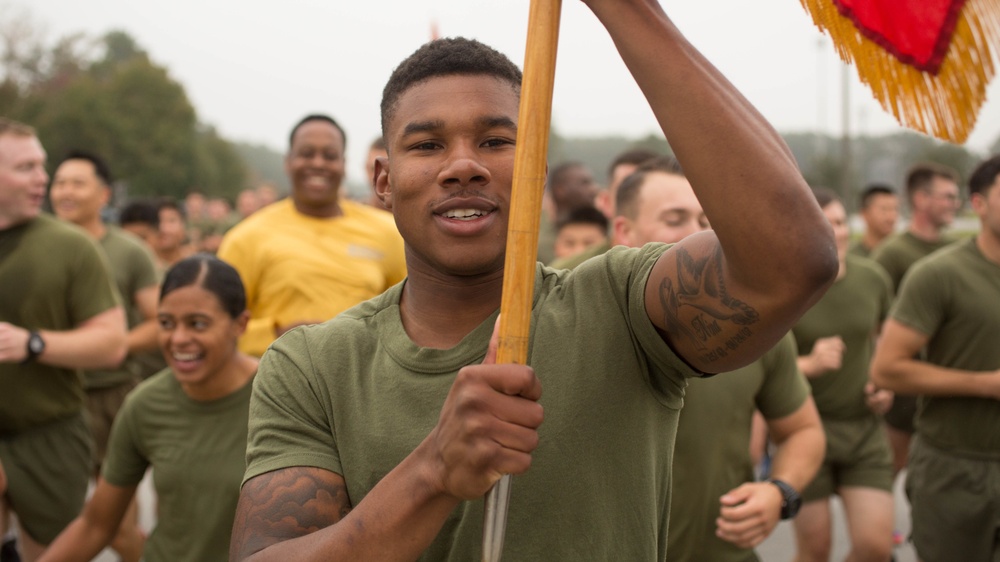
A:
[36,344]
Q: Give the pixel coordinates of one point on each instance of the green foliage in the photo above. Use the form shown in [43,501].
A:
[108,97]
[264,165]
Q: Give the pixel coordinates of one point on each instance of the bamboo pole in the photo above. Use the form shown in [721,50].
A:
[534,115]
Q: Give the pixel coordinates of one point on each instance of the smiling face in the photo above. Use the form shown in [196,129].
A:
[315,167]
[197,336]
[448,178]
[667,211]
[77,193]
[22,179]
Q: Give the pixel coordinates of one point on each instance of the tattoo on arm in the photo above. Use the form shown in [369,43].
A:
[285,504]
[697,301]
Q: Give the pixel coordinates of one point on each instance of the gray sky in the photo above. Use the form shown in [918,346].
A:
[253,68]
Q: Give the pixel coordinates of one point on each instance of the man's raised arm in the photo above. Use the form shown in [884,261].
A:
[722,299]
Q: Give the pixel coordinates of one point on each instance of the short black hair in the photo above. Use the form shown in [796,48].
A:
[141,211]
[585,215]
[558,174]
[921,175]
[626,200]
[100,166]
[317,117]
[170,203]
[213,275]
[443,57]
[873,189]
[825,196]
[634,156]
[985,175]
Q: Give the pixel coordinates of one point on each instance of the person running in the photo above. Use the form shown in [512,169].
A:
[188,423]
[949,305]
[375,436]
[836,339]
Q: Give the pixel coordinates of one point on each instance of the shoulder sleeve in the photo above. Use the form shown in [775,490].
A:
[289,425]
[144,269]
[125,464]
[629,270]
[785,389]
[92,290]
[888,258]
[921,298]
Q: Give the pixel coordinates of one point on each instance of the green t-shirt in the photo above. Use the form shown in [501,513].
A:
[572,261]
[133,270]
[853,308]
[52,277]
[712,455]
[197,451]
[858,248]
[900,251]
[954,298]
[355,396]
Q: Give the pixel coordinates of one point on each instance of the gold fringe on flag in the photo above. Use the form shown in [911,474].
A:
[944,105]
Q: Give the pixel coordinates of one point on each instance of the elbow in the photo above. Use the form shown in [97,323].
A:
[821,266]
[116,353]
[881,374]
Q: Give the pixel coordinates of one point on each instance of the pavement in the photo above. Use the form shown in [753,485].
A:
[779,547]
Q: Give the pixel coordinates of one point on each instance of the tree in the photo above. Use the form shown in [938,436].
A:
[106,95]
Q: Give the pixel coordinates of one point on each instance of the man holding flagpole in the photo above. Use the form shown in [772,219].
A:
[375,436]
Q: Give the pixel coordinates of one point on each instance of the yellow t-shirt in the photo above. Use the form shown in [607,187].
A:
[298,268]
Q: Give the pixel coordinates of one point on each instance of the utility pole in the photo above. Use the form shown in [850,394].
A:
[846,177]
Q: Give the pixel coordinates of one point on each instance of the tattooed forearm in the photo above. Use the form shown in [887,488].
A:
[697,308]
[285,504]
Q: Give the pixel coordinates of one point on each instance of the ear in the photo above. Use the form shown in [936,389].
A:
[978,202]
[105,196]
[621,232]
[288,165]
[241,322]
[380,179]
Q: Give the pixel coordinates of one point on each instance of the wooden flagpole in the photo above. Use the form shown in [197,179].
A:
[534,115]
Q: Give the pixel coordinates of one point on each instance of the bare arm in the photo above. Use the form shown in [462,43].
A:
[142,337]
[720,299]
[895,368]
[94,528]
[97,343]
[750,512]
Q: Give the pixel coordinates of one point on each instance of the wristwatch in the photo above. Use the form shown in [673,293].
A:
[36,345]
[791,501]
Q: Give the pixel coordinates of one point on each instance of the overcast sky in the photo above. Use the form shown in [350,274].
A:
[253,68]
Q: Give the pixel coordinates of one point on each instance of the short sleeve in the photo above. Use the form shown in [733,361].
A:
[125,464]
[92,290]
[289,425]
[921,299]
[785,389]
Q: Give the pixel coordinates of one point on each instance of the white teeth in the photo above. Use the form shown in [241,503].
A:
[186,356]
[463,213]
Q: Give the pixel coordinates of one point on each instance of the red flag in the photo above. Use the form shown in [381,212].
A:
[928,62]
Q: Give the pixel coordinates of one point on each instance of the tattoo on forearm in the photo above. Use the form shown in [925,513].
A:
[698,302]
[285,504]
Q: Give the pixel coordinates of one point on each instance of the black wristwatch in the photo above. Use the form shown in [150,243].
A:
[36,345]
[791,501]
